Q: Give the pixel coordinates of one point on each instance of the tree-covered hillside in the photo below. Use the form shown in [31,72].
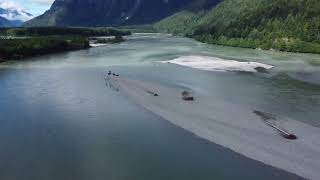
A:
[181,23]
[185,21]
[286,25]
[20,43]
[62,31]
[35,46]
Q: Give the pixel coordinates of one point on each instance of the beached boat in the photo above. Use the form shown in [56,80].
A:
[187,96]
[270,119]
[152,93]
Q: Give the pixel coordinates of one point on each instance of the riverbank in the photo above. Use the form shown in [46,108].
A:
[17,49]
[293,45]
[101,41]
[281,44]
[241,129]
[21,43]
[62,31]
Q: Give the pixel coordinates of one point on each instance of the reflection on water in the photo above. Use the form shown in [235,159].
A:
[59,121]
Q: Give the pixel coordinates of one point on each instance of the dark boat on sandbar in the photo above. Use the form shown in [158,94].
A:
[187,96]
[269,118]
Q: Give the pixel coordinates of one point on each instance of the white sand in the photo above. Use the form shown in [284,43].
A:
[98,44]
[217,64]
[233,126]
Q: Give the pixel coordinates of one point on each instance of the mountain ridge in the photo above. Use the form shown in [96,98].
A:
[107,12]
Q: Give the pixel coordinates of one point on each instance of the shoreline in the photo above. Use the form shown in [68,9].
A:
[92,45]
[241,130]
[39,55]
[242,47]
[19,49]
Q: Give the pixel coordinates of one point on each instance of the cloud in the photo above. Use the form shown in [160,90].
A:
[14,11]
[6,4]
[35,7]
[43,2]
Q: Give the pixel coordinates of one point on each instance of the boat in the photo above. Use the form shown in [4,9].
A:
[187,96]
[269,119]
[153,93]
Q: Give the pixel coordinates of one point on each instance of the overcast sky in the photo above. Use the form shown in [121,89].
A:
[35,7]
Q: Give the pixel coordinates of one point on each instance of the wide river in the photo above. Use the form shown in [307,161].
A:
[58,120]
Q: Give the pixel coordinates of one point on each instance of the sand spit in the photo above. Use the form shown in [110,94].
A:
[218,64]
[233,126]
[98,44]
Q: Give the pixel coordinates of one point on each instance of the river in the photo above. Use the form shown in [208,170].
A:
[58,120]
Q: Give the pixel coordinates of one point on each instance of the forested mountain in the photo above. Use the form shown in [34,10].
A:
[107,12]
[287,25]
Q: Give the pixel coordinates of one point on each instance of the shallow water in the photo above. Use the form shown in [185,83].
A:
[58,120]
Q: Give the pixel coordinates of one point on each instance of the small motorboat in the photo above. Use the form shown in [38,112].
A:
[187,96]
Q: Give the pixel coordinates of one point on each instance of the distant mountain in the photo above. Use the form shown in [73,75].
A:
[4,22]
[286,25]
[108,12]
[14,16]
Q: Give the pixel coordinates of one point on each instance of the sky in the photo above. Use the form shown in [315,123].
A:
[35,7]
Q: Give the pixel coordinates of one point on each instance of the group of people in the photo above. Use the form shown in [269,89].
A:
[113,74]
[108,80]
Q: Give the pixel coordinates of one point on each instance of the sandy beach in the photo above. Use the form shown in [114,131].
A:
[217,64]
[231,125]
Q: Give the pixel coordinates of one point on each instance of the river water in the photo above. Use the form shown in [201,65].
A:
[58,120]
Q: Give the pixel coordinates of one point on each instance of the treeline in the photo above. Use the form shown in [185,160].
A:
[62,31]
[146,28]
[35,46]
[116,39]
[19,43]
[182,23]
[285,25]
